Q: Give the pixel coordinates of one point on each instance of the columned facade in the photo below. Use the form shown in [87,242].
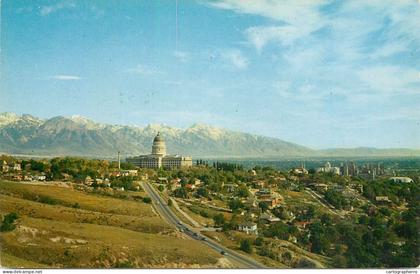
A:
[159,158]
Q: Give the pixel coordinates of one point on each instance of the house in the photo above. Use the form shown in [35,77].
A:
[248,228]
[271,202]
[4,166]
[259,183]
[39,177]
[382,199]
[174,184]
[299,171]
[263,193]
[17,177]
[303,224]
[66,177]
[321,187]
[190,186]
[16,167]
[401,179]
[88,180]
[198,182]
[106,183]
[253,172]
[27,178]
[293,178]
[268,218]
[131,172]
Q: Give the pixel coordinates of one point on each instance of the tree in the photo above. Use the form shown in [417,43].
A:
[246,246]
[259,241]
[8,222]
[161,188]
[279,230]
[203,192]
[263,206]
[326,219]
[235,204]
[280,212]
[170,202]
[219,219]
[310,212]
[147,200]
[181,192]
[318,238]
[37,166]
[243,191]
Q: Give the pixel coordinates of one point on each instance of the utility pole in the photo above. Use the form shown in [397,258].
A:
[119,161]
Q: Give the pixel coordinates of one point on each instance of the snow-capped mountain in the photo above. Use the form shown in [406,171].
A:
[80,136]
[77,135]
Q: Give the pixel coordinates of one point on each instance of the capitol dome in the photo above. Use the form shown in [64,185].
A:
[159,146]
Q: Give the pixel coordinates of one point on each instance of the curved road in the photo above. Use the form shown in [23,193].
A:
[160,205]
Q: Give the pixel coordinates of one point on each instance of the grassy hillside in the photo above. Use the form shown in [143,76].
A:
[102,232]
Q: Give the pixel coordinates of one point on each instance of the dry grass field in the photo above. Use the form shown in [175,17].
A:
[97,232]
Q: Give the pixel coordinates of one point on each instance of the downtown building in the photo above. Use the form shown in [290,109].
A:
[159,158]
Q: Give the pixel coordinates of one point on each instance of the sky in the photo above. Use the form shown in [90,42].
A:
[320,73]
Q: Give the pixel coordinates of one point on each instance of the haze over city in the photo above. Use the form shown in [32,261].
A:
[318,73]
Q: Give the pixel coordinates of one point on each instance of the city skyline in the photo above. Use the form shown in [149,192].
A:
[318,73]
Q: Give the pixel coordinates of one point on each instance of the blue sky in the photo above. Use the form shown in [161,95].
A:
[319,73]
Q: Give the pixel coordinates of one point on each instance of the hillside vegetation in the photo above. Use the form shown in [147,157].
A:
[53,231]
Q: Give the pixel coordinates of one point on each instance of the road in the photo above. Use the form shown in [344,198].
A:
[323,202]
[164,210]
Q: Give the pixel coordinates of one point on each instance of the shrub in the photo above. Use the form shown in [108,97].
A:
[76,205]
[8,222]
[287,256]
[204,214]
[147,200]
[219,219]
[47,200]
[305,263]
[246,246]
[259,241]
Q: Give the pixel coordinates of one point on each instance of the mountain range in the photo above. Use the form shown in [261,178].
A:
[79,136]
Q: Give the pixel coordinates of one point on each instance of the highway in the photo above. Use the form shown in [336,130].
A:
[166,213]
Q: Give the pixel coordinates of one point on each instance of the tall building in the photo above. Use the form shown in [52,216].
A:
[159,158]
[329,169]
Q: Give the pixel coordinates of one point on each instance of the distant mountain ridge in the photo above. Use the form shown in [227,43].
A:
[79,136]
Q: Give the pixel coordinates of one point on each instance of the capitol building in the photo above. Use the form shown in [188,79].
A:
[159,158]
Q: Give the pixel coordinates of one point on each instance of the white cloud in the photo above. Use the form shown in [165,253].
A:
[65,77]
[390,79]
[260,36]
[235,58]
[302,12]
[388,50]
[182,56]
[143,70]
[46,10]
[296,18]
